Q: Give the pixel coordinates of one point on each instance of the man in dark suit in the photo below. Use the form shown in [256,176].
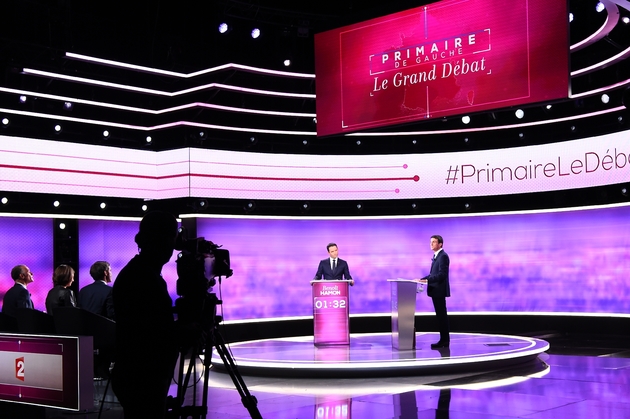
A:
[18,296]
[438,289]
[332,267]
[97,297]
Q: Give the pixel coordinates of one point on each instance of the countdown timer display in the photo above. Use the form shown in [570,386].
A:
[330,303]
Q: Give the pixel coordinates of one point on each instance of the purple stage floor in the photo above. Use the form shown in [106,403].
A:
[372,355]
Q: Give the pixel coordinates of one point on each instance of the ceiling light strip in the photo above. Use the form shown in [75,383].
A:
[152,70]
[612,19]
[155,127]
[237,129]
[307,133]
[161,92]
[600,90]
[472,130]
[227,108]
[602,64]
[621,56]
[151,111]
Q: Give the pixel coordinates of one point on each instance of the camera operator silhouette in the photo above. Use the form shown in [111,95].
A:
[146,338]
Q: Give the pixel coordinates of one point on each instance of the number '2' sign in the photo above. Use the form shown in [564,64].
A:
[19,368]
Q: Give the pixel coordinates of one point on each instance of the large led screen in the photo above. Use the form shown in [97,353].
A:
[581,163]
[446,58]
[566,261]
[552,261]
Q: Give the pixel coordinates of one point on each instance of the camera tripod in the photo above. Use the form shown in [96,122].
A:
[211,338]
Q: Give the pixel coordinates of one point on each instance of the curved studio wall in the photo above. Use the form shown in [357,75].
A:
[561,261]
[571,260]
[567,260]
[575,261]
[550,261]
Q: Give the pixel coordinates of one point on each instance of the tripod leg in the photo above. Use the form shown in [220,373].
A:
[247,399]
[193,411]
[181,390]
[100,410]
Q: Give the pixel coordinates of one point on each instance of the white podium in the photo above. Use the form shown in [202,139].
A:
[404,312]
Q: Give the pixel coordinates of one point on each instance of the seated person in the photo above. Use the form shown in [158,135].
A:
[97,297]
[61,295]
[18,296]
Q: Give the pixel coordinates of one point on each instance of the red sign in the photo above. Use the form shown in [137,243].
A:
[443,59]
[19,368]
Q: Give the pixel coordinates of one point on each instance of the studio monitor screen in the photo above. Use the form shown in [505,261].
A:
[442,59]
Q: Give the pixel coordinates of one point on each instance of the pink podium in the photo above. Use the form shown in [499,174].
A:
[331,309]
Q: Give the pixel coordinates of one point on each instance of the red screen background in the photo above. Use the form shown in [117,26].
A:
[447,58]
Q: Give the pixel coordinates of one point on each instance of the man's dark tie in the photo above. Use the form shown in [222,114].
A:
[334,264]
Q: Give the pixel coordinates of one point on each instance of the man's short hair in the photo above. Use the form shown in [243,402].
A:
[330,245]
[17,271]
[438,238]
[97,270]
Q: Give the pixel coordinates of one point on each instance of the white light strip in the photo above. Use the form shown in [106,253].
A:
[612,19]
[73,119]
[600,90]
[425,216]
[602,64]
[536,346]
[237,129]
[252,111]
[428,314]
[187,75]
[368,385]
[155,127]
[500,382]
[151,111]
[164,93]
[501,127]
[70,216]
[594,37]
[543,313]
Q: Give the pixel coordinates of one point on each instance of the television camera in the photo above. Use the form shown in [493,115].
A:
[199,264]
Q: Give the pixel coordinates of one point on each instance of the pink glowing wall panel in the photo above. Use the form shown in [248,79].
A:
[446,58]
[546,261]
[53,167]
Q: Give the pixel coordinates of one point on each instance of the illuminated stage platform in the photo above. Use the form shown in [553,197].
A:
[372,355]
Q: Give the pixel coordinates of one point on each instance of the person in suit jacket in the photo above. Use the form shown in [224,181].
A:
[438,288]
[332,267]
[97,296]
[18,296]
[61,295]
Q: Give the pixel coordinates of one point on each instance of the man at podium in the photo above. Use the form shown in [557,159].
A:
[332,267]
